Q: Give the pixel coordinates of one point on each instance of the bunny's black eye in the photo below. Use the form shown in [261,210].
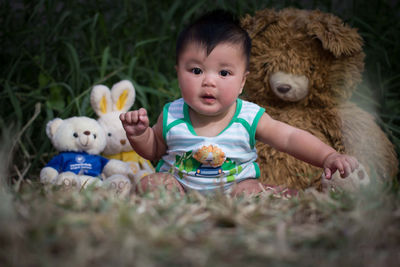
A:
[109,134]
[75,135]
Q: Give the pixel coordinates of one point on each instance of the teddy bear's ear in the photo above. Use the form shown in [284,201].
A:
[123,96]
[52,127]
[259,22]
[100,99]
[335,36]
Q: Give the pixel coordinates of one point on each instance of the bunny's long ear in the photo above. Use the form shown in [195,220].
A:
[100,99]
[123,96]
[334,34]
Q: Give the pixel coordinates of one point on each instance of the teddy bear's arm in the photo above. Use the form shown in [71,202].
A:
[48,175]
[57,162]
[52,169]
[50,172]
[114,166]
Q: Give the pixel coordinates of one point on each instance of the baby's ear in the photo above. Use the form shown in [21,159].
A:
[100,99]
[123,96]
[52,127]
[335,36]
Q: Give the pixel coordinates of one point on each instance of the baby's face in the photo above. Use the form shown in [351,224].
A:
[211,84]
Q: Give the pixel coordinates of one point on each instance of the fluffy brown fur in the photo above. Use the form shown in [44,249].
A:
[329,54]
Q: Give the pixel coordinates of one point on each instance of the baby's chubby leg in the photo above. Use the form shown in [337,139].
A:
[248,186]
[154,181]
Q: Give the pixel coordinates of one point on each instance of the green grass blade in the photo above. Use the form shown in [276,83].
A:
[14,101]
[104,62]
[74,64]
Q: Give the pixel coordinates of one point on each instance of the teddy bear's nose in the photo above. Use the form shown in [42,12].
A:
[284,88]
[86,132]
[123,141]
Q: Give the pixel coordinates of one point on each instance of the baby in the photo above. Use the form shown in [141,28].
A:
[205,140]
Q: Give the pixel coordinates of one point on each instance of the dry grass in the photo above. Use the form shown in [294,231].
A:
[53,227]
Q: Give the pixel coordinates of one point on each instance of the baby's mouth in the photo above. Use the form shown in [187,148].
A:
[208,98]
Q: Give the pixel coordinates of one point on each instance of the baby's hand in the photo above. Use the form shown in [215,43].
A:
[343,163]
[135,122]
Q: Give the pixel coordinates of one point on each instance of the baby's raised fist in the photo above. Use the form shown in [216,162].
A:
[135,122]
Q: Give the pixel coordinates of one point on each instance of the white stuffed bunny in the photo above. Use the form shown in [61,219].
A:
[79,141]
[108,105]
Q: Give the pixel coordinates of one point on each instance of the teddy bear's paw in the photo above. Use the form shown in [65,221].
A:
[353,182]
[118,184]
[68,180]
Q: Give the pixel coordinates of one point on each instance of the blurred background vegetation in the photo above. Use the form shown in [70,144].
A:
[53,52]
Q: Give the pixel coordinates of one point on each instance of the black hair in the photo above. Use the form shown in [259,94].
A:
[214,28]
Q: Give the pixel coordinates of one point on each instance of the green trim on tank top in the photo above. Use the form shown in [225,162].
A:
[233,120]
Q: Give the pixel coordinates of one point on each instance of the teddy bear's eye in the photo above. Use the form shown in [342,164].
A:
[312,68]
[75,135]
[109,134]
[94,136]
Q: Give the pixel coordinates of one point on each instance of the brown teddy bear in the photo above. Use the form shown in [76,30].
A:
[304,66]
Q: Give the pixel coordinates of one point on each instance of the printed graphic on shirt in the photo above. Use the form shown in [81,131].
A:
[209,162]
[210,155]
[80,165]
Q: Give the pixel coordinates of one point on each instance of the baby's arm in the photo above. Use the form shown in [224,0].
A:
[147,142]
[304,146]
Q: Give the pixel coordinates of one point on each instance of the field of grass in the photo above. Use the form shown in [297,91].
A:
[53,52]
[55,228]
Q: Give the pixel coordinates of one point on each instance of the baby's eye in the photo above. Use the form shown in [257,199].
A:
[196,71]
[224,73]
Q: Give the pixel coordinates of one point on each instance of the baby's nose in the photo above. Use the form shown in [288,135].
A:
[208,80]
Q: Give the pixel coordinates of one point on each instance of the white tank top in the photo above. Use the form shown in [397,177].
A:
[207,163]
